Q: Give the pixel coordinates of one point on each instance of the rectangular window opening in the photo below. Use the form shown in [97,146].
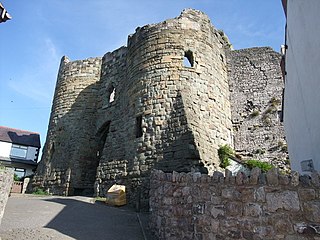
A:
[188,60]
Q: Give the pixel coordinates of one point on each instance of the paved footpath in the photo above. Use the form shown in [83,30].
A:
[54,217]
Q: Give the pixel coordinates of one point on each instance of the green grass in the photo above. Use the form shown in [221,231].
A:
[264,166]
[224,152]
[39,191]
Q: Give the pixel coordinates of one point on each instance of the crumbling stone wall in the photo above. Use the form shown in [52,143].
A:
[139,107]
[256,86]
[262,206]
[184,111]
[6,180]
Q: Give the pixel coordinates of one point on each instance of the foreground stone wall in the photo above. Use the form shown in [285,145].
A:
[6,180]
[262,206]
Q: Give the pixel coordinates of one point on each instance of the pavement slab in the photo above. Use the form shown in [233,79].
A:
[56,217]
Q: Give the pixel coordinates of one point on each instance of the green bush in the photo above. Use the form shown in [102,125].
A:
[16,178]
[264,166]
[274,101]
[284,148]
[254,114]
[39,191]
[224,152]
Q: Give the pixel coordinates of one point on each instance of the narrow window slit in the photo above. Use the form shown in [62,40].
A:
[112,92]
[139,126]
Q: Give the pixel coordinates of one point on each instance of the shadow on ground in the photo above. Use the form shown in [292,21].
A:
[83,220]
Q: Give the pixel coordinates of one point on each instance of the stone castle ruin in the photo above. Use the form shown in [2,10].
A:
[167,100]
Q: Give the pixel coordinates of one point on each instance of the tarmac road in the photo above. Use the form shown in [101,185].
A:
[54,217]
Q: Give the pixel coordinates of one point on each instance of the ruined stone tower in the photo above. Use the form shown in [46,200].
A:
[161,102]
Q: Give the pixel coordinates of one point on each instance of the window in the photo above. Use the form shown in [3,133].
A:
[112,94]
[20,172]
[188,60]
[18,151]
[139,126]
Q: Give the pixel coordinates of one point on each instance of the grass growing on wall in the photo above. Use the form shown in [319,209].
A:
[264,166]
[224,152]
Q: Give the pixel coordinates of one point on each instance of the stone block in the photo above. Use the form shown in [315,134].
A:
[307,194]
[252,210]
[230,193]
[273,177]
[312,210]
[282,224]
[234,209]
[217,210]
[286,200]
[315,178]
[254,177]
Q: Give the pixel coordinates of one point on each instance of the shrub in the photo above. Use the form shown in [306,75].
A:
[264,166]
[284,148]
[16,178]
[224,152]
[274,101]
[254,113]
[40,191]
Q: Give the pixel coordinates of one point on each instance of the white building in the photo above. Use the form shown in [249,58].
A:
[19,149]
[302,84]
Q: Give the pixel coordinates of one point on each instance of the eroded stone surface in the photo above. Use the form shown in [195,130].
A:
[139,107]
[287,200]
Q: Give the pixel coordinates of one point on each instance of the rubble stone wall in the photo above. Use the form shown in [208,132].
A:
[114,119]
[262,206]
[141,107]
[256,86]
[184,111]
[6,180]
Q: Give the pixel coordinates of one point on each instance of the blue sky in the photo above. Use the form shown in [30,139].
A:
[42,31]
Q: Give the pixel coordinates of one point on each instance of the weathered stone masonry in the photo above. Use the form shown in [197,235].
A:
[6,180]
[262,206]
[256,86]
[139,108]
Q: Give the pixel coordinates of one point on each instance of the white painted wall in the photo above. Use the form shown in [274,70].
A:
[5,149]
[302,86]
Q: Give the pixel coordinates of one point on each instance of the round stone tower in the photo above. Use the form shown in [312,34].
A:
[65,164]
[171,107]
[177,76]
[161,102]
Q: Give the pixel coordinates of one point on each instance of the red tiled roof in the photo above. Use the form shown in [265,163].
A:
[18,136]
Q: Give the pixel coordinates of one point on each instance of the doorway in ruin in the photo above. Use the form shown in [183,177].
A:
[102,135]
[90,173]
